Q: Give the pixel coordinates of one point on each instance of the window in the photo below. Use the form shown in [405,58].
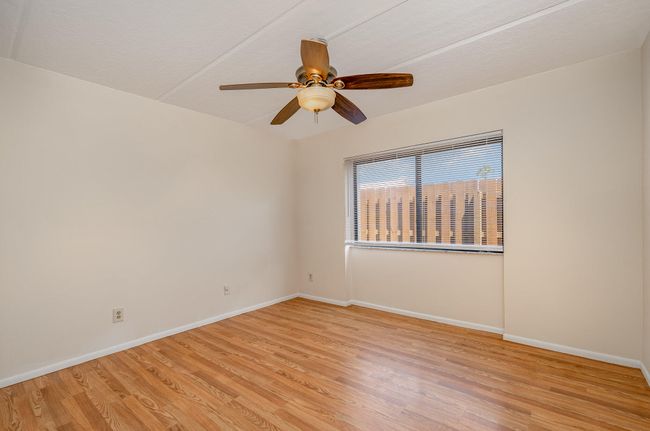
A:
[444,195]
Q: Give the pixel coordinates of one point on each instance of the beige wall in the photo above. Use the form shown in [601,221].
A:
[645,58]
[109,199]
[465,287]
[571,272]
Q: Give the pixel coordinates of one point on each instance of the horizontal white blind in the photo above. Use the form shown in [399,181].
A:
[445,195]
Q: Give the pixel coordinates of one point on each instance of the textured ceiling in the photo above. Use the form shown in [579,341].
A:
[180,51]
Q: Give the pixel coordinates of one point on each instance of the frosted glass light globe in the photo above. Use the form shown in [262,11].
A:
[316,98]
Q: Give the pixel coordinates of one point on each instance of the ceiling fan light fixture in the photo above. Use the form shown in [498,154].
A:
[316,98]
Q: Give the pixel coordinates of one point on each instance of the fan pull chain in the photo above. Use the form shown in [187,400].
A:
[316,116]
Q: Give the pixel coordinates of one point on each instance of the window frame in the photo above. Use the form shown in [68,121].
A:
[352,216]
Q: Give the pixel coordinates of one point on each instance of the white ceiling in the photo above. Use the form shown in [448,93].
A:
[180,51]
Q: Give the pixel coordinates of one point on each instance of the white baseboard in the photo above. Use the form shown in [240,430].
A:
[8,381]
[431,317]
[645,372]
[604,357]
[323,299]
[415,314]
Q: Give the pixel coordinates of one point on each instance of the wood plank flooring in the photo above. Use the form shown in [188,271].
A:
[304,365]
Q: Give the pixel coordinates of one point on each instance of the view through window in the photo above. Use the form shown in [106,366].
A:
[446,195]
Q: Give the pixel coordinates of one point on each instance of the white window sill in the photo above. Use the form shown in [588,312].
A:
[425,248]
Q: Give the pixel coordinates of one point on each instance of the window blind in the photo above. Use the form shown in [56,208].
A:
[441,195]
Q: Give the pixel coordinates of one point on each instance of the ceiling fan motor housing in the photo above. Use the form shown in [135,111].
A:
[301,75]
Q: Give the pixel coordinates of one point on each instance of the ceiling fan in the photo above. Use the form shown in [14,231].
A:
[317,80]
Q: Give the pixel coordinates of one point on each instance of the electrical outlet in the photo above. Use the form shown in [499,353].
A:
[118,315]
[311,277]
[226,290]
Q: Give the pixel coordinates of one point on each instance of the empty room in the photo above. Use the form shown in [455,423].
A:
[354,215]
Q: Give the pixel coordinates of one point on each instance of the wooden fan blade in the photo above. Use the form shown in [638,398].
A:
[347,109]
[290,108]
[315,58]
[259,85]
[374,81]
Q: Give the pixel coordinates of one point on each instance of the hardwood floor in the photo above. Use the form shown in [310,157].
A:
[307,365]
